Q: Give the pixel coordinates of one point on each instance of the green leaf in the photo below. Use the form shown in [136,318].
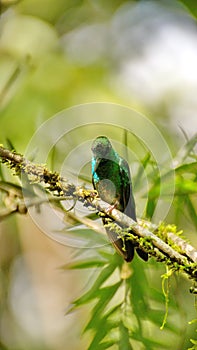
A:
[53,157]
[187,168]
[94,291]
[185,186]
[106,344]
[143,164]
[137,281]
[82,177]
[186,150]
[191,6]
[191,210]
[10,145]
[124,342]
[150,207]
[96,238]
[2,177]
[85,264]
[104,296]
[182,187]
[95,344]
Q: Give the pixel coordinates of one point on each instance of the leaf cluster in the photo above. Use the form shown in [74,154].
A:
[123,312]
[127,308]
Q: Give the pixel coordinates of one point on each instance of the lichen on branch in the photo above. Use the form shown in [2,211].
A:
[158,241]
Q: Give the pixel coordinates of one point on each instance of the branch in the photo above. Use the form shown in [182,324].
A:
[179,254]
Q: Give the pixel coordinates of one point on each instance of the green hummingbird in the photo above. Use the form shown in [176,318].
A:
[112,180]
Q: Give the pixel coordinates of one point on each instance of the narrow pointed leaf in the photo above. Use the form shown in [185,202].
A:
[86,264]
[93,292]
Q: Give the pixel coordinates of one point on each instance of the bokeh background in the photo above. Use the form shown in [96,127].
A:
[58,54]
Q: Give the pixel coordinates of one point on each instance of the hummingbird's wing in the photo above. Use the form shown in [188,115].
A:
[127,194]
[125,249]
[128,199]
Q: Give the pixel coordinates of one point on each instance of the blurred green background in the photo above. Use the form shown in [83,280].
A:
[58,54]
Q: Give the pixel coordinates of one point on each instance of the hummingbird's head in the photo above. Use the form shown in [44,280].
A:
[101,147]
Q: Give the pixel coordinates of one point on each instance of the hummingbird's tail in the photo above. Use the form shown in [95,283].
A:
[123,246]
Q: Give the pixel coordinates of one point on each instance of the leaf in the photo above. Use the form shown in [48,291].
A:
[82,177]
[182,187]
[150,207]
[137,281]
[150,343]
[185,186]
[95,344]
[193,341]
[53,157]
[86,264]
[104,296]
[191,210]
[10,145]
[124,342]
[93,292]
[143,164]
[187,168]
[191,6]
[186,150]
[93,236]
[105,345]
[2,177]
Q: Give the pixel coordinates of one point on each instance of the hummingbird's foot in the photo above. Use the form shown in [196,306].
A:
[111,207]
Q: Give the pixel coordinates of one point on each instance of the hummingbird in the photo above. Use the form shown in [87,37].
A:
[112,180]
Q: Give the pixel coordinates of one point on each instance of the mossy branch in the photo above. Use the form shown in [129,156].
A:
[160,242]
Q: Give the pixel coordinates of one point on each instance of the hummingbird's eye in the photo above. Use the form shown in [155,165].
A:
[98,148]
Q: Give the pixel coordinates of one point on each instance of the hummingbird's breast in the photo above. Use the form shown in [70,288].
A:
[107,182]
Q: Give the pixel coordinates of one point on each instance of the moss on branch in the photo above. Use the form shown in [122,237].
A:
[162,242]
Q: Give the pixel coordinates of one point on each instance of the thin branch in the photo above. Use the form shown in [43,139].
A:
[189,250]
[184,258]
[184,246]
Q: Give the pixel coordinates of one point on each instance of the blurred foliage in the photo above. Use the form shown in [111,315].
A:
[191,5]
[56,54]
[127,307]
[126,298]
